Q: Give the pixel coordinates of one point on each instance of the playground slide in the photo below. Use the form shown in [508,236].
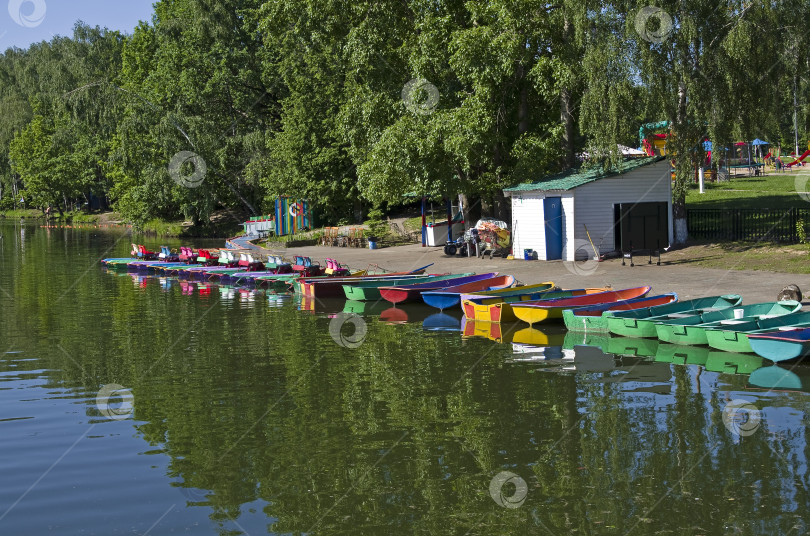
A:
[802,157]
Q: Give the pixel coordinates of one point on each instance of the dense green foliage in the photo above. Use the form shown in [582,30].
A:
[359,104]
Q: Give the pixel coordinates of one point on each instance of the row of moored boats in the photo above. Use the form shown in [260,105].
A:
[778,331]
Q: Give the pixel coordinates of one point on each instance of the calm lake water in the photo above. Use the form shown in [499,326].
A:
[139,405]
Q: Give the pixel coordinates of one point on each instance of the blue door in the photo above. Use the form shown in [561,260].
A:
[553,219]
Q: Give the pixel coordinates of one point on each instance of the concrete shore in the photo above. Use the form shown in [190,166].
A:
[687,280]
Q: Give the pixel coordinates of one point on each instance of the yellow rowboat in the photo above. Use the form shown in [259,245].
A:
[511,291]
[499,309]
[544,311]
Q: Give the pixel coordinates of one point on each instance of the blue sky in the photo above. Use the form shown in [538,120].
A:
[23,22]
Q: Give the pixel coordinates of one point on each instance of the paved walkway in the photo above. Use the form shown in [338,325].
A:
[243,242]
[687,280]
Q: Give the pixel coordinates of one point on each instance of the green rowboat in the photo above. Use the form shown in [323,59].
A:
[735,338]
[691,330]
[370,290]
[595,318]
[641,322]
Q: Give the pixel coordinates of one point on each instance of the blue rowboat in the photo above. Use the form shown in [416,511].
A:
[451,296]
[781,345]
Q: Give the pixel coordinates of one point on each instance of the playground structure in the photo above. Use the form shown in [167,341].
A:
[722,161]
[290,216]
[652,140]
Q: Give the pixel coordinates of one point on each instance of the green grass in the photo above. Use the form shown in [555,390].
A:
[771,191]
[413,224]
[789,259]
[20,213]
[161,228]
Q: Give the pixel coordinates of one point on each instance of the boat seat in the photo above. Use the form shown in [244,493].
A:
[731,322]
[680,315]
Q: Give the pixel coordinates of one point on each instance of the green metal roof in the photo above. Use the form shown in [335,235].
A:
[571,179]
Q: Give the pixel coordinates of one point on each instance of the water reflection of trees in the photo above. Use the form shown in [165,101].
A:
[404,433]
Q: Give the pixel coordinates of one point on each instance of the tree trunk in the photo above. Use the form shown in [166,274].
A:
[358,210]
[567,119]
[502,207]
[682,169]
[566,111]
[462,202]
[523,103]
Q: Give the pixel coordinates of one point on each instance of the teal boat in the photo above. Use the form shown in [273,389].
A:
[782,345]
[641,322]
[691,330]
[735,338]
[370,290]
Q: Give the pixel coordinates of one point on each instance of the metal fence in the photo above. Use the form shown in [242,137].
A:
[747,224]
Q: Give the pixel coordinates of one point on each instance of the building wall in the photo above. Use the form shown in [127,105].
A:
[528,223]
[527,210]
[592,205]
[595,200]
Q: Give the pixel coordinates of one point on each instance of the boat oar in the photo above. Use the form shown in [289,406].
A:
[595,252]
[422,269]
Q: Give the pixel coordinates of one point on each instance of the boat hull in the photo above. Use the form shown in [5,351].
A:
[370,290]
[510,292]
[499,309]
[534,313]
[736,340]
[451,297]
[641,324]
[595,319]
[781,345]
[332,287]
[413,292]
[692,330]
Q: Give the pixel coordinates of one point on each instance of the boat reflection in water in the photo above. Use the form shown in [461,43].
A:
[781,378]
[761,373]
[276,300]
[139,281]
[627,346]
[442,322]
[365,308]
[513,332]
[320,306]
[406,313]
